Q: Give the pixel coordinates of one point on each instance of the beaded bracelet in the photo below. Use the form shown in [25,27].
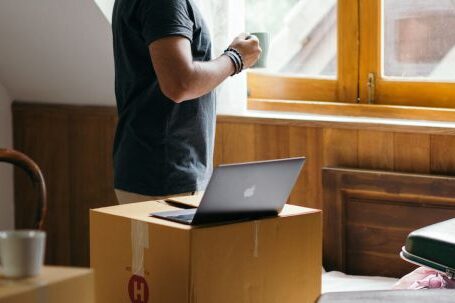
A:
[239,55]
[234,60]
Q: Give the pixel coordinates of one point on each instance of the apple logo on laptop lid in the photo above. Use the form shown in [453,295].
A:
[249,192]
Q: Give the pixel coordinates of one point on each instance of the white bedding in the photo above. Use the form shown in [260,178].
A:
[335,281]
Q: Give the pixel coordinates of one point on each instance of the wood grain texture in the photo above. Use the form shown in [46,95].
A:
[369,44]
[443,155]
[333,223]
[218,151]
[340,147]
[291,88]
[411,153]
[368,215]
[91,175]
[348,51]
[375,150]
[368,237]
[374,264]
[73,148]
[44,137]
[238,143]
[307,142]
[271,142]
[413,93]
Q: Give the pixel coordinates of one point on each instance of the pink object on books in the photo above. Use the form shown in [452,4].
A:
[424,278]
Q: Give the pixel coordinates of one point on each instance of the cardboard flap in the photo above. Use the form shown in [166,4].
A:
[141,211]
[192,201]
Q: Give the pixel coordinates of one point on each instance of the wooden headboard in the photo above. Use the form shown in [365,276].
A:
[368,214]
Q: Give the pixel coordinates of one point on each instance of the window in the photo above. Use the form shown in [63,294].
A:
[304,35]
[418,43]
[393,52]
[304,50]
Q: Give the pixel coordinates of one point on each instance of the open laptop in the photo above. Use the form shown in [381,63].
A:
[242,192]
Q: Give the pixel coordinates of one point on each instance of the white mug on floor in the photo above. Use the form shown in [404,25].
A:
[21,253]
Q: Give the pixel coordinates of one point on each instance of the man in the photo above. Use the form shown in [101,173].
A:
[165,78]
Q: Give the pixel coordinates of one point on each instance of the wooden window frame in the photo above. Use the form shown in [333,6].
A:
[359,55]
[387,91]
[341,89]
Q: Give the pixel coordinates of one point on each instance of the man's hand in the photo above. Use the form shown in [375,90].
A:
[249,49]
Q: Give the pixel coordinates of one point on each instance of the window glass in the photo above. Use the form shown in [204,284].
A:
[303,35]
[419,40]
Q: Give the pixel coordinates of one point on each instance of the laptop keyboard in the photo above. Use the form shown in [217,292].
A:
[186,218]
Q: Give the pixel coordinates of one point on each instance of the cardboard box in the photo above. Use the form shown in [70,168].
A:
[54,285]
[141,259]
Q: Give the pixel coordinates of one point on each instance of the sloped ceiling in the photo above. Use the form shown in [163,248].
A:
[106,7]
[56,51]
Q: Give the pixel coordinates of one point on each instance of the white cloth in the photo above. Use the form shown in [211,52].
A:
[335,281]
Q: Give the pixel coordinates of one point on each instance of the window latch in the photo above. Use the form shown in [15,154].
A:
[371,88]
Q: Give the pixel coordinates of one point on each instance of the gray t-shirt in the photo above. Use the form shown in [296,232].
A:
[160,148]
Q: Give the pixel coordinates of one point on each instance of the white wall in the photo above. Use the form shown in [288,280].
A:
[57,51]
[106,7]
[6,170]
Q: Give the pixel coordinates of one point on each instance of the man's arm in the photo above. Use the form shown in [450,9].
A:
[180,78]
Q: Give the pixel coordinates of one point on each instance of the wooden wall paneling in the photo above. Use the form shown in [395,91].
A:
[333,222]
[368,215]
[340,147]
[366,236]
[371,245]
[43,136]
[411,153]
[238,143]
[307,141]
[218,152]
[443,154]
[271,142]
[91,175]
[368,263]
[376,150]
[383,210]
[374,250]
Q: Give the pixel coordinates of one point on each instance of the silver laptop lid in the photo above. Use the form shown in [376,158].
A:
[248,190]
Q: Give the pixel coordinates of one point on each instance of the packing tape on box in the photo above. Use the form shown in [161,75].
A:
[256,226]
[139,242]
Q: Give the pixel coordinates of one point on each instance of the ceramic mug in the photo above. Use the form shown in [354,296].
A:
[264,43]
[21,253]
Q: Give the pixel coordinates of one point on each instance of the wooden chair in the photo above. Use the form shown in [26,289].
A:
[33,171]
